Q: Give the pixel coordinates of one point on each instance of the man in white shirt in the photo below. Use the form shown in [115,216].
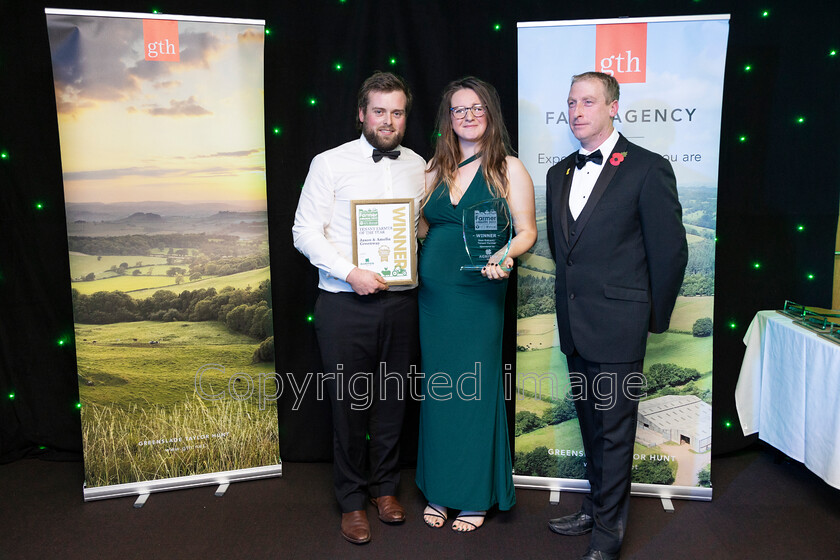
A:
[366,329]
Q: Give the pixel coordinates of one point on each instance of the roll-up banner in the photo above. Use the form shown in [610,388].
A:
[163,153]
[670,71]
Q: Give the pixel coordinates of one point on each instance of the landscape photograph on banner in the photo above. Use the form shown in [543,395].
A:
[671,80]
[161,131]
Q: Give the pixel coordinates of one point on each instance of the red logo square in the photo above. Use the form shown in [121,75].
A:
[160,40]
[621,51]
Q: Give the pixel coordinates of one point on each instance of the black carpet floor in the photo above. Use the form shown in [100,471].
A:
[762,508]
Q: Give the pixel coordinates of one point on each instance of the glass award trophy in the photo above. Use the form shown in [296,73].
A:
[488,229]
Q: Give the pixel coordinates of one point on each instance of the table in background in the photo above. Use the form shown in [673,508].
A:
[789,392]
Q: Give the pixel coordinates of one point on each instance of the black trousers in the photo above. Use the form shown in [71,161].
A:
[607,416]
[369,345]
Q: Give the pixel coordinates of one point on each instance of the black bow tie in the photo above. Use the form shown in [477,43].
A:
[594,157]
[379,154]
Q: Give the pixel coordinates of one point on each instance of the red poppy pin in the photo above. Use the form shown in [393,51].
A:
[617,158]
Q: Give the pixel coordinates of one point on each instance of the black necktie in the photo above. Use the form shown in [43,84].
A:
[594,157]
[379,154]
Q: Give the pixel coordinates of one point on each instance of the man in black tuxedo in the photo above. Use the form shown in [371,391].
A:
[615,231]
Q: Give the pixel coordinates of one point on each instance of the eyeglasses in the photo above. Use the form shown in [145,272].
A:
[461,112]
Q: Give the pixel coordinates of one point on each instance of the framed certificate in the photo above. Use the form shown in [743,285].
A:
[383,238]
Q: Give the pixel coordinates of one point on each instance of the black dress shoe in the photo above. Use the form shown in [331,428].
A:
[572,525]
[599,555]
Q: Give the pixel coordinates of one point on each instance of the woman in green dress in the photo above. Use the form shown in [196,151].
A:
[464,458]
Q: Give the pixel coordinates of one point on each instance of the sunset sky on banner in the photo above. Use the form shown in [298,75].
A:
[135,130]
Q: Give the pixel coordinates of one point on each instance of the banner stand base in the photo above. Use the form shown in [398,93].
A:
[220,492]
[220,479]
[661,491]
[554,499]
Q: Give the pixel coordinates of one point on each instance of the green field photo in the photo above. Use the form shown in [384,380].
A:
[530,262]
[125,364]
[688,309]
[126,284]
[169,274]
[561,436]
[531,404]
[538,332]
[194,437]
[81,264]
[144,285]
[165,399]
[242,280]
[539,358]
[682,349]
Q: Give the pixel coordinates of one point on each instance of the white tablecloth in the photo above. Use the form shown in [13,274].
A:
[789,392]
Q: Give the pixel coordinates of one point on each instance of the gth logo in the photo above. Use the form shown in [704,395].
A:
[621,51]
[160,40]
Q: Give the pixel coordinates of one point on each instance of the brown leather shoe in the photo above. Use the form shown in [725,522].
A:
[355,527]
[390,510]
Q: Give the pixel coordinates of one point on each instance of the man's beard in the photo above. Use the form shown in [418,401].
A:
[382,143]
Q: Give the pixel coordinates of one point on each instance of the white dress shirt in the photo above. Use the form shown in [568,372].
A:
[583,179]
[336,177]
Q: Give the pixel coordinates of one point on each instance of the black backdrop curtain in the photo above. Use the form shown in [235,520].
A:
[784,175]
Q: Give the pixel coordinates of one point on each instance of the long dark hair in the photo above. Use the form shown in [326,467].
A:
[494,145]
